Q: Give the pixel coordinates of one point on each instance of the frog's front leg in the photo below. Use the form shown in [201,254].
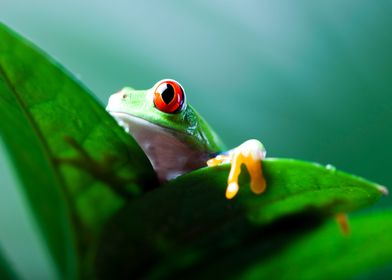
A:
[250,153]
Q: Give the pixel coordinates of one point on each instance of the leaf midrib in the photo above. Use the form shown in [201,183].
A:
[70,211]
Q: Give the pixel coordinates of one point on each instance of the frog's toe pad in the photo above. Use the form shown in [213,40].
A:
[342,220]
[219,159]
[231,190]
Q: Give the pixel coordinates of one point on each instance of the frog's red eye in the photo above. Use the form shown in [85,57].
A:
[169,96]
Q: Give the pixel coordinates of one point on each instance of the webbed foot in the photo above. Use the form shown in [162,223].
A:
[250,153]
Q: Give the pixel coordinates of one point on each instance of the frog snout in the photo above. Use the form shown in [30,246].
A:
[115,99]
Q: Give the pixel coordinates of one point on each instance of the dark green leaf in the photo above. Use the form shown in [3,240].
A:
[6,272]
[189,221]
[327,254]
[68,151]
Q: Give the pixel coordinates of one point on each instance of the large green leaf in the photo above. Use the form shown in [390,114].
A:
[189,223]
[300,247]
[327,254]
[6,271]
[68,151]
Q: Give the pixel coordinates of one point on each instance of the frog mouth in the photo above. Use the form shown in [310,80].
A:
[128,121]
[135,126]
[124,119]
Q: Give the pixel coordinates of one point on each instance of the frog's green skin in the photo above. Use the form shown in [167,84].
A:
[174,143]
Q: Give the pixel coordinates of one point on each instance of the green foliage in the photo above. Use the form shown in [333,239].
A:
[6,272]
[92,191]
[327,254]
[191,216]
[43,112]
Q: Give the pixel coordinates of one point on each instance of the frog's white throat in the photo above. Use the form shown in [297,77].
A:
[169,155]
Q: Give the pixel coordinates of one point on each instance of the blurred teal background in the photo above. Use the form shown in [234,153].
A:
[311,79]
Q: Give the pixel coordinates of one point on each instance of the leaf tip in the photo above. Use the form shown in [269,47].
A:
[383,189]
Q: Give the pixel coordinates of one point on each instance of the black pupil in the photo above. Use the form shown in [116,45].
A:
[168,94]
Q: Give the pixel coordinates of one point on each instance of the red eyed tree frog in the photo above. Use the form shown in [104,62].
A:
[177,140]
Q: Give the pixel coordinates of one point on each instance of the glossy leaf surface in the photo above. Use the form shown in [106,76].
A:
[189,222]
[69,153]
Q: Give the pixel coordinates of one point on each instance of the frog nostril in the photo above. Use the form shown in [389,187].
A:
[124,96]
